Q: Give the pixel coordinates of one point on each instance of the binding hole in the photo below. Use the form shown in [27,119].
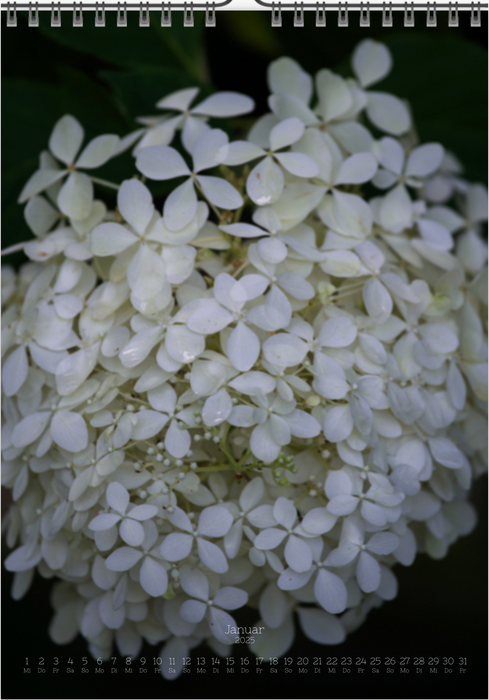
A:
[343,16]
[364,16]
[144,15]
[33,15]
[452,16]
[77,15]
[99,18]
[166,15]
[188,16]
[299,15]
[11,16]
[321,15]
[431,16]
[387,15]
[475,15]
[121,15]
[56,15]
[276,16]
[210,15]
[409,16]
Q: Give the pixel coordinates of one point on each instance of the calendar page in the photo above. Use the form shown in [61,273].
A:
[244,356]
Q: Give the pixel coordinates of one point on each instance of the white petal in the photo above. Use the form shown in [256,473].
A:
[388,113]
[318,521]
[243,347]
[110,239]
[98,151]
[243,230]
[371,62]
[378,301]
[153,577]
[39,181]
[265,183]
[193,610]
[21,560]
[220,192]
[117,497]
[135,204]
[194,582]
[217,408]
[161,163]
[209,318]
[320,626]
[205,148]
[335,97]
[211,556]
[273,606]
[285,350]
[270,538]
[183,345]
[194,128]
[230,598]
[396,210]
[383,543]
[149,424]
[131,532]
[225,104]
[75,198]
[359,168]
[104,521]
[146,274]
[285,75]
[338,423]
[330,591]
[303,425]
[69,431]
[353,214]
[176,546]
[40,215]
[180,207]
[14,372]
[66,139]
[297,554]
[123,559]
[368,573]
[143,512]
[338,332]
[424,160]
[239,152]
[272,250]
[286,133]
[445,452]
[215,521]
[177,441]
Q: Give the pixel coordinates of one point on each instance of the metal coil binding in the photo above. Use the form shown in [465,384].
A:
[387,15]
[277,7]
[321,15]
[343,16]
[364,16]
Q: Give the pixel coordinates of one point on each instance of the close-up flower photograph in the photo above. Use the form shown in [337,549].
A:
[244,352]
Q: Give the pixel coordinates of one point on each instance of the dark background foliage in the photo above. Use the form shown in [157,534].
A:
[106,77]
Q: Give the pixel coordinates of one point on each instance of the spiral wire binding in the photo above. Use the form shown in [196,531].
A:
[276,13]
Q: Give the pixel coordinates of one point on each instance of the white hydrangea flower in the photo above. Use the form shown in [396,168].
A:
[276,393]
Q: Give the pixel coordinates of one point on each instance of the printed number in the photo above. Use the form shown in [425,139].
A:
[418,661]
[390,661]
[85,660]
[128,661]
[56,661]
[302,660]
[331,661]
[360,660]
[317,661]
[375,661]
[157,660]
[142,660]
[462,660]
[346,661]
[448,660]
[41,661]
[433,661]
[200,661]
[215,661]
[245,660]
[288,660]
[273,660]
[405,660]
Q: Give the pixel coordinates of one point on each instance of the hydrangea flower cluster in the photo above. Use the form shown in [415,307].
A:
[266,394]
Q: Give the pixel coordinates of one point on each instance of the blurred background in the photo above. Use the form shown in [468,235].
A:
[107,77]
